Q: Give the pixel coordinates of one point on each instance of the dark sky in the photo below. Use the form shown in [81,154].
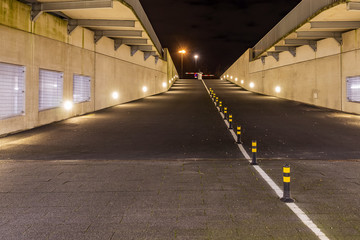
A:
[219,31]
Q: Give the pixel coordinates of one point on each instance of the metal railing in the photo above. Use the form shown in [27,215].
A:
[298,16]
[140,13]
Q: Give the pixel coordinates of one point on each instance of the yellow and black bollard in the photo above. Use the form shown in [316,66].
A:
[220,106]
[216,101]
[286,178]
[238,134]
[254,151]
[225,113]
[213,96]
[230,122]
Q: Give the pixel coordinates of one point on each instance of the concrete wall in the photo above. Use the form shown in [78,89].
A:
[317,78]
[45,44]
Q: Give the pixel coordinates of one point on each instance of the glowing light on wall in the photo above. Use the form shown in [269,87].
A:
[278,89]
[252,85]
[115,95]
[68,105]
[145,89]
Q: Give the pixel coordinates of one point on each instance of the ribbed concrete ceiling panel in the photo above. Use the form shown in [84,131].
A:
[129,11]
[326,19]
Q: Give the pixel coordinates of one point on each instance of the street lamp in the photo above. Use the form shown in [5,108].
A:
[182,52]
[196,58]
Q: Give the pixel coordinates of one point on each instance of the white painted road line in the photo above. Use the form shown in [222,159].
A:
[301,215]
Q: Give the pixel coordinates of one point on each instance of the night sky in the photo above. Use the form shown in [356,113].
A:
[219,31]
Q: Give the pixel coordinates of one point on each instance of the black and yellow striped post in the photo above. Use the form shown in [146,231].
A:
[230,121]
[238,134]
[216,101]
[220,106]
[286,178]
[213,97]
[254,151]
[225,113]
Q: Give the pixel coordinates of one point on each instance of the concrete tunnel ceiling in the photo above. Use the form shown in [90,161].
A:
[330,21]
[122,21]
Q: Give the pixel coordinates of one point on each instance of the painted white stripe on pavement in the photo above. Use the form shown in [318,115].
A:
[301,215]
[243,151]
[272,184]
[307,221]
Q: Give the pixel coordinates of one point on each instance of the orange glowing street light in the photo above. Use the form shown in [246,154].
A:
[182,52]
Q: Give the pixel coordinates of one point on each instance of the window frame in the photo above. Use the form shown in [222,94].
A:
[60,96]
[20,88]
[350,81]
[81,77]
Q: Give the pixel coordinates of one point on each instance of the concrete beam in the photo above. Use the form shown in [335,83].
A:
[133,41]
[144,48]
[319,35]
[129,41]
[133,51]
[274,55]
[122,33]
[73,23]
[353,6]
[336,24]
[292,50]
[148,54]
[117,44]
[116,33]
[38,8]
[263,59]
[299,42]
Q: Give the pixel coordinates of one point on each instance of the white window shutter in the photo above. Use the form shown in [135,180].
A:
[81,88]
[12,90]
[353,88]
[50,89]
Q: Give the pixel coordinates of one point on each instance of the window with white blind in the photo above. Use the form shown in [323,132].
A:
[81,88]
[353,88]
[50,89]
[12,90]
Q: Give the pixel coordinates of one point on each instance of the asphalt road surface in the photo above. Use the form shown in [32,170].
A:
[287,129]
[166,167]
[179,124]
